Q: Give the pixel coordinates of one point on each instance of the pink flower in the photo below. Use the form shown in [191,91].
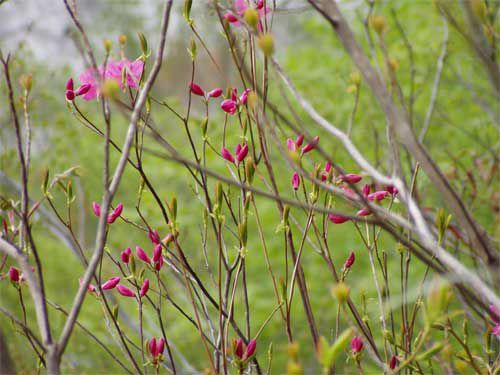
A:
[115,214]
[125,255]
[158,264]
[252,345]
[242,153]
[244,96]
[157,253]
[156,347]
[364,212]
[241,6]
[378,195]
[124,291]
[229,106]
[141,254]
[349,261]
[337,219]
[111,283]
[230,17]
[70,95]
[311,145]
[154,236]
[496,329]
[393,362]
[144,288]
[350,178]
[133,71]
[70,85]
[391,189]
[14,274]
[88,77]
[96,207]
[290,144]
[295,181]
[83,89]
[366,190]
[356,344]
[215,93]
[196,89]
[238,348]
[227,155]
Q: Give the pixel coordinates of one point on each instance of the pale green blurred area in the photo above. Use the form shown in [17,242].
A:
[42,44]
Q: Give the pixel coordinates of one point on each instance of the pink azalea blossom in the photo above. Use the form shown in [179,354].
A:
[350,178]
[144,288]
[124,291]
[111,283]
[356,344]
[227,155]
[241,6]
[350,261]
[229,106]
[295,181]
[337,219]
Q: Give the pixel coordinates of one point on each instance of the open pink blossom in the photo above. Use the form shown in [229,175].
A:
[131,69]
[240,6]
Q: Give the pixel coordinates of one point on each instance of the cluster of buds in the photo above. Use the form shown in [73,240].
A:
[293,146]
[156,259]
[71,94]
[115,214]
[198,90]
[240,151]
[242,353]
[156,348]
[231,104]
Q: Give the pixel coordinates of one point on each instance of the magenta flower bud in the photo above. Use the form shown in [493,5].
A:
[229,106]
[141,254]
[291,145]
[356,344]
[124,291]
[14,274]
[295,181]
[393,362]
[366,190]
[242,153]
[349,261]
[69,85]
[227,155]
[238,348]
[260,4]
[144,288]
[234,95]
[115,214]
[391,189]
[196,89]
[237,149]
[244,96]
[83,89]
[157,253]
[299,140]
[160,346]
[215,93]
[364,212]
[311,145]
[70,95]
[252,345]
[351,178]
[152,347]
[125,255]
[230,17]
[378,195]
[159,264]
[337,219]
[111,283]
[96,207]
[328,167]
[154,236]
